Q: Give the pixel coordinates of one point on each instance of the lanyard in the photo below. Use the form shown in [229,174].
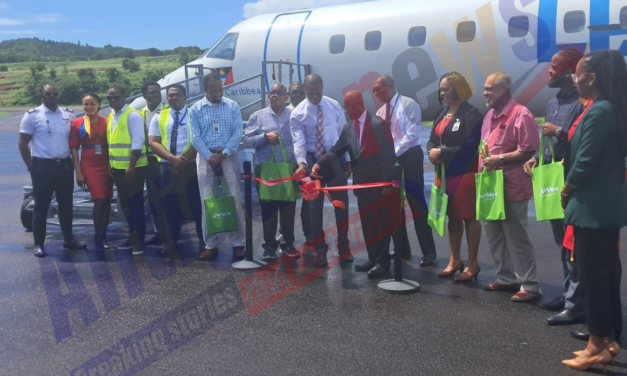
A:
[173,114]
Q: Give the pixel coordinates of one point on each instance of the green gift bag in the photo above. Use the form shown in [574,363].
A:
[490,194]
[438,205]
[220,214]
[548,181]
[285,191]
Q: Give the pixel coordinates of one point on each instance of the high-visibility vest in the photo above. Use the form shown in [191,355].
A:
[149,151]
[120,143]
[165,136]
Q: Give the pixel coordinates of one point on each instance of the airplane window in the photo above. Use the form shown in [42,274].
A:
[466,31]
[574,21]
[337,44]
[225,48]
[623,17]
[417,36]
[372,41]
[518,26]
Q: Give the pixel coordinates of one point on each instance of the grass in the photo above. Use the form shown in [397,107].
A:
[18,73]
[4,113]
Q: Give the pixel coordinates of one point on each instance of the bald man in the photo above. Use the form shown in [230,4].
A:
[561,113]
[316,125]
[372,158]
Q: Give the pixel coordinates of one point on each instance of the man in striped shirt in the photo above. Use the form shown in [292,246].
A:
[216,125]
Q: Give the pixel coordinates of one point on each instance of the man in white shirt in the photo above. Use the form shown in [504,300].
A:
[129,176]
[47,127]
[151,91]
[402,115]
[170,139]
[316,124]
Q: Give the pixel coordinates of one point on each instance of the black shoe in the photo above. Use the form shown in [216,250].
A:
[99,245]
[39,251]
[152,241]
[566,317]
[556,304]
[73,245]
[578,334]
[427,260]
[365,266]
[168,249]
[269,255]
[378,272]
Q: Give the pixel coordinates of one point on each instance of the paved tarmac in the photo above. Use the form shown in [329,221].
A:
[336,324]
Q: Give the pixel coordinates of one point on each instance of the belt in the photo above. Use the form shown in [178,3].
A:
[93,146]
[216,150]
[52,160]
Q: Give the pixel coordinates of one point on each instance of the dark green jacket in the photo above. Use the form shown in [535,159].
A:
[595,168]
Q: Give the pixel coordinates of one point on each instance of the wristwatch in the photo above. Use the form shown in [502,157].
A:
[224,154]
[558,132]
[501,160]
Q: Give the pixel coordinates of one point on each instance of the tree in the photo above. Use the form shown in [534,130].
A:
[185,58]
[152,75]
[4,68]
[53,73]
[70,89]
[130,65]
[112,74]
[87,77]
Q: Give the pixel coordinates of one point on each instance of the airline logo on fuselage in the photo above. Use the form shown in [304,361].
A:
[242,91]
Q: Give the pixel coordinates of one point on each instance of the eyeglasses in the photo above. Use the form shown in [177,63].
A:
[51,94]
[113,97]
[279,93]
[575,77]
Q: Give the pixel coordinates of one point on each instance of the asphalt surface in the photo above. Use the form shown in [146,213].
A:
[336,324]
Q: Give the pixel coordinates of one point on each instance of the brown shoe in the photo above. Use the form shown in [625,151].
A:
[496,286]
[208,253]
[239,252]
[525,296]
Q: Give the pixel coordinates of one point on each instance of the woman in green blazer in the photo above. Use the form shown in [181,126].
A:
[595,199]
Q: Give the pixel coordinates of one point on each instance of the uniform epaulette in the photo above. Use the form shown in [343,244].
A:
[31,110]
[67,109]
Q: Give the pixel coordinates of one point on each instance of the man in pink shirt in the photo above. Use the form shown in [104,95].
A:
[511,132]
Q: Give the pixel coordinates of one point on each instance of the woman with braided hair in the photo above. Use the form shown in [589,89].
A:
[595,200]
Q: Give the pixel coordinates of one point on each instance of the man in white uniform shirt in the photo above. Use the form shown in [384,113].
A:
[49,163]
[170,139]
[316,125]
[402,115]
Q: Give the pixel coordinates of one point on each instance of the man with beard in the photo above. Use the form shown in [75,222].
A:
[561,112]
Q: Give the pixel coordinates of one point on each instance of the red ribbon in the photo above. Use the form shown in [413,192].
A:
[297,177]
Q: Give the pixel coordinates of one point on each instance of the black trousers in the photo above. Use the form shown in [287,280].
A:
[131,198]
[334,178]
[376,219]
[52,176]
[305,219]
[600,271]
[181,201]
[273,212]
[153,186]
[412,162]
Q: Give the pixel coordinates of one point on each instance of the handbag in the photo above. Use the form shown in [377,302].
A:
[220,213]
[438,204]
[548,181]
[490,203]
[284,191]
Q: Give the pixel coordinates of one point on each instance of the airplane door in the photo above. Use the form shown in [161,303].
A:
[283,44]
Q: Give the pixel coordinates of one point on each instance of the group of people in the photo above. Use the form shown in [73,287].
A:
[178,153]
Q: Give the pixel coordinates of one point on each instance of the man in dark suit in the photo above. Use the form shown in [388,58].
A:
[372,158]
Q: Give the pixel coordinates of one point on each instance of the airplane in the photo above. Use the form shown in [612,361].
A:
[415,42]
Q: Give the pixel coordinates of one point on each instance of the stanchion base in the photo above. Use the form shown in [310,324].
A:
[405,286]
[248,265]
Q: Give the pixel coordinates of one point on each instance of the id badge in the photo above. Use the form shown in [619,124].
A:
[216,126]
[98,148]
[456,126]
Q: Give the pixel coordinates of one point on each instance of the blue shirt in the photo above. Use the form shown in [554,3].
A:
[216,126]
[262,122]
[562,111]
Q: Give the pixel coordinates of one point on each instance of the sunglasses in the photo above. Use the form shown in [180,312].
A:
[51,94]
[113,97]
[279,93]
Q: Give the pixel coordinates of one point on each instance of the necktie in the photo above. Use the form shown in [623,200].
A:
[319,152]
[358,133]
[388,114]
[174,135]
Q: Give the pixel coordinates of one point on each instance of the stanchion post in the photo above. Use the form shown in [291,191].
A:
[248,263]
[398,285]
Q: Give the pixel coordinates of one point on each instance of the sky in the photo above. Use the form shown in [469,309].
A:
[136,24]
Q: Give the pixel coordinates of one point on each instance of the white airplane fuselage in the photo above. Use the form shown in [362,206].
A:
[473,37]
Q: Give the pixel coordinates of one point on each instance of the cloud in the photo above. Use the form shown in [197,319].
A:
[271,6]
[42,18]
